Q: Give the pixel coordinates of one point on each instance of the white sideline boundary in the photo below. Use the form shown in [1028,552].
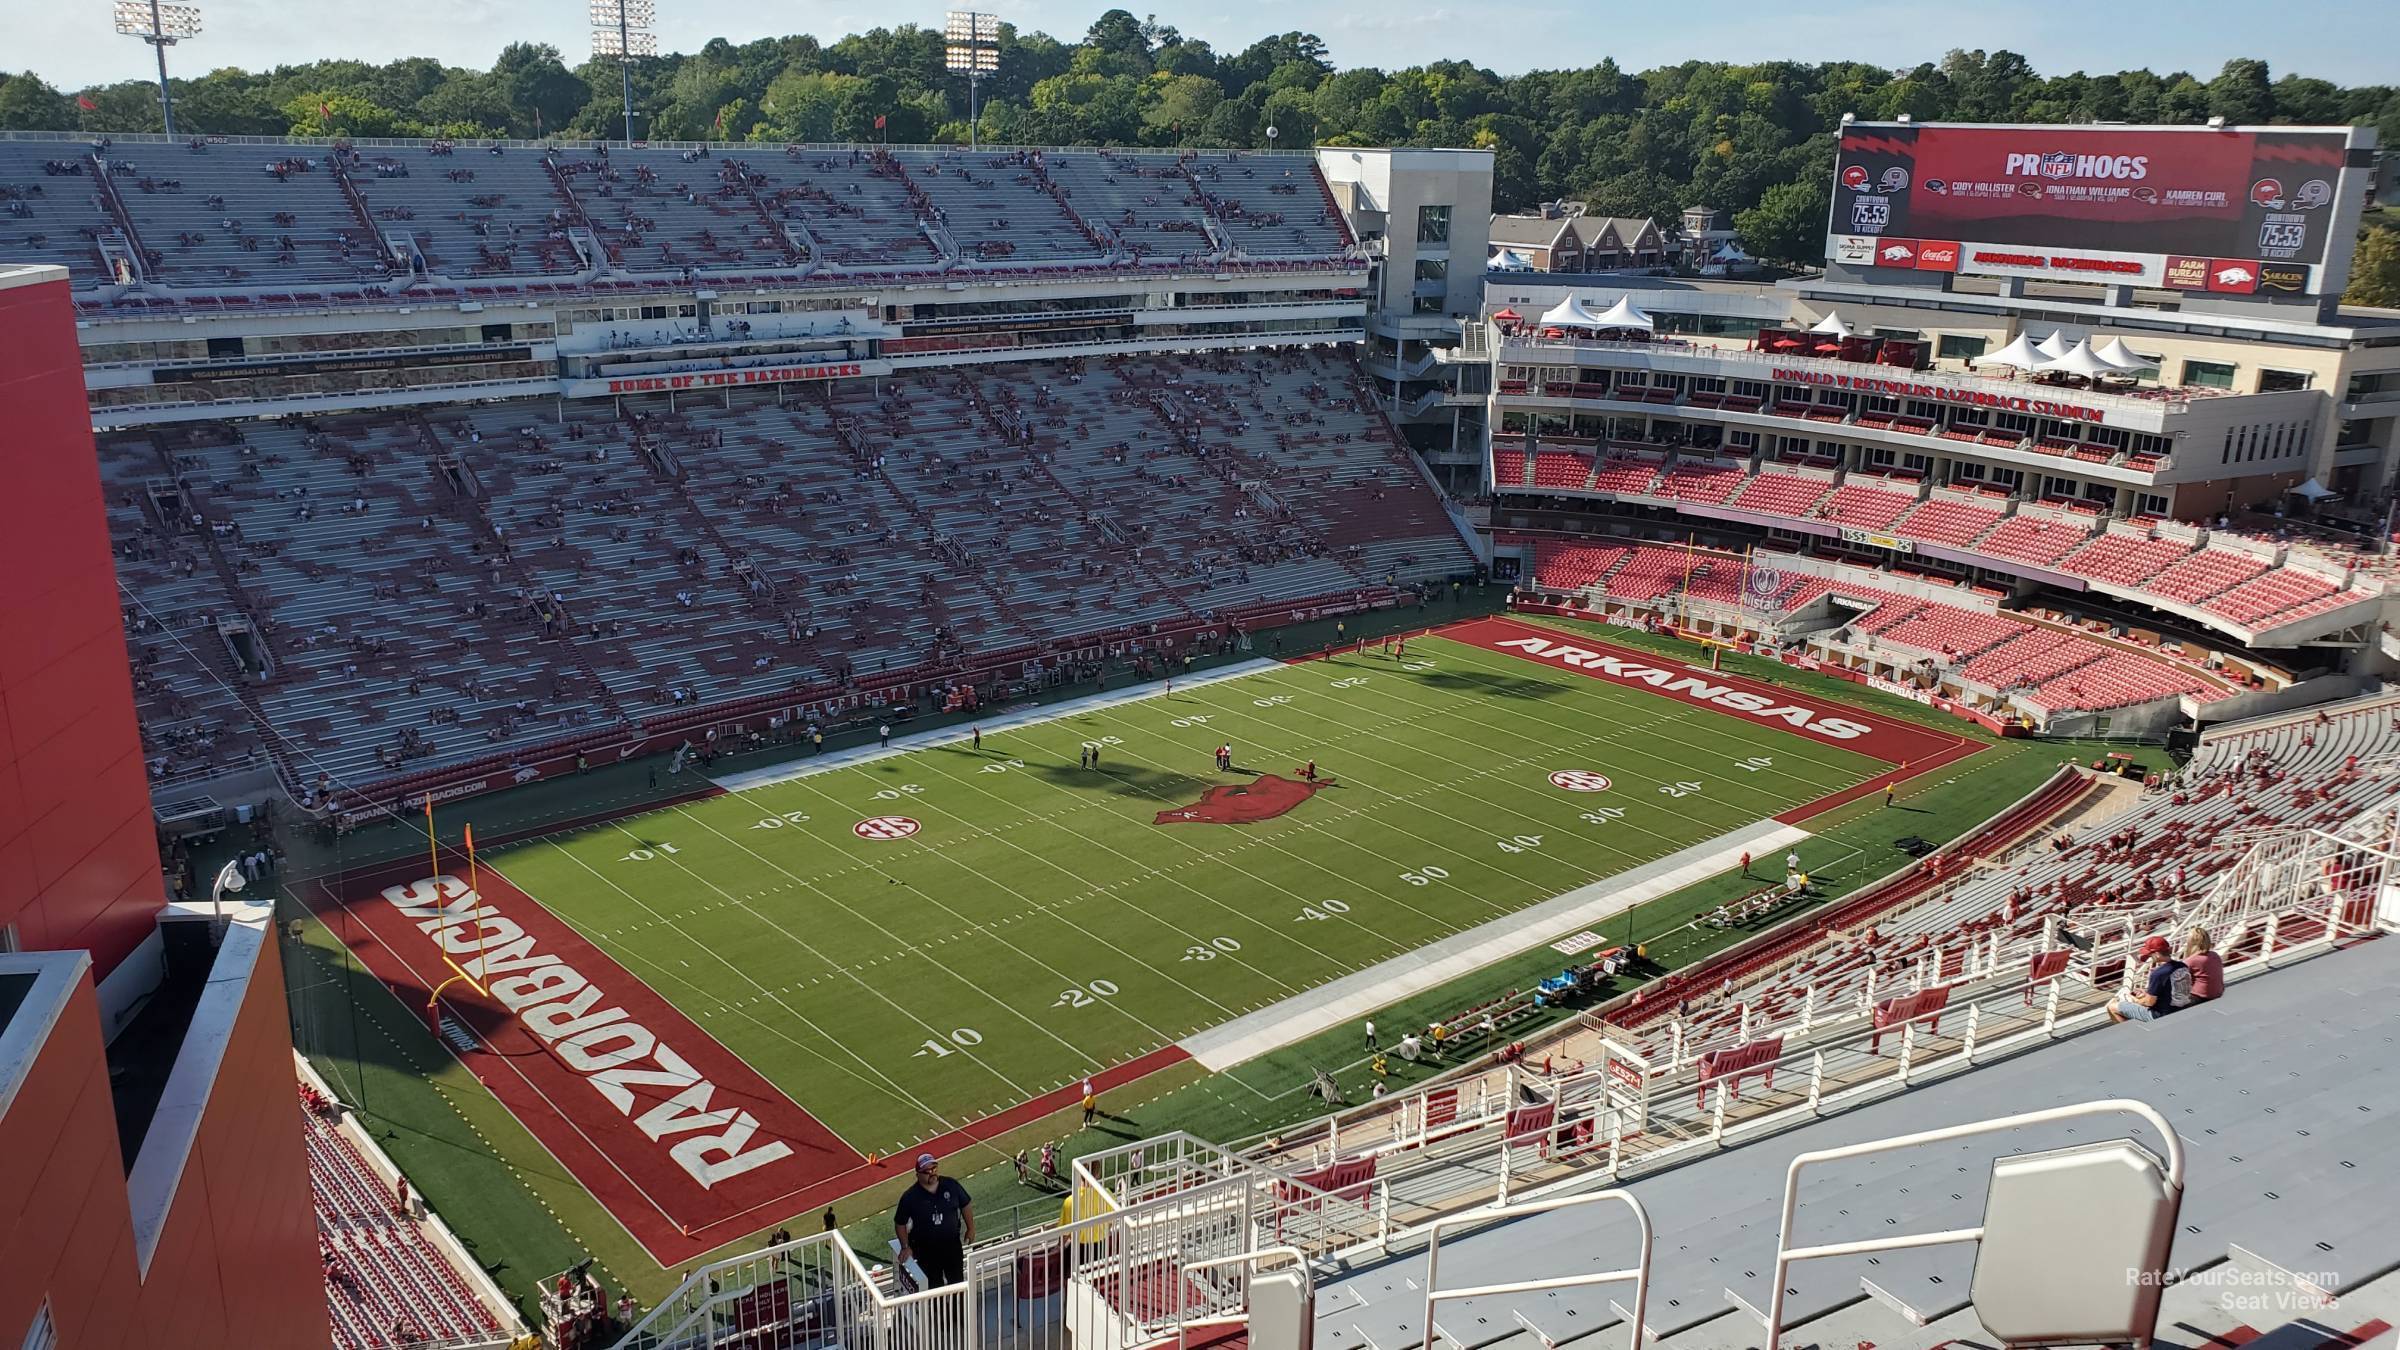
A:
[1361,993]
[771,774]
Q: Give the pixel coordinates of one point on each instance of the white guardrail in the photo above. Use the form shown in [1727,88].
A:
[1163,1235]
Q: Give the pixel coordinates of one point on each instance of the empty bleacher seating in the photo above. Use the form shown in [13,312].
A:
[425,589]
[388,1283]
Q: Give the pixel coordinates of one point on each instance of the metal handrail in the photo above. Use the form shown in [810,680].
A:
[1248,1261]
[1639,1272]
[1786,1254]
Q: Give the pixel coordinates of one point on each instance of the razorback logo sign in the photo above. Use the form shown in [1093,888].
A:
[1243,803]
[594,1036]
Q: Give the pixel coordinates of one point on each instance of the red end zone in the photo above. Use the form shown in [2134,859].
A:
[1913,748]
[683,1142]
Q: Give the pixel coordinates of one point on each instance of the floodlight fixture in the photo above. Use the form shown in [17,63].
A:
[971,47]
[162,26]
[621,32]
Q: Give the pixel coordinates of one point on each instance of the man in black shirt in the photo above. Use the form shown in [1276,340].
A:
[934,1222]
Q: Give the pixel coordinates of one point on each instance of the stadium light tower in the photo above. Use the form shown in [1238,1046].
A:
[162,26]
[621,28]
[971,47]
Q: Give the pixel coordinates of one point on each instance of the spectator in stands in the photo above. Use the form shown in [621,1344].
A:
[934,1222]
[2167,987]
[2208,968]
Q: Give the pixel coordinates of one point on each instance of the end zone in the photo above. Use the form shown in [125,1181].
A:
[680,1140]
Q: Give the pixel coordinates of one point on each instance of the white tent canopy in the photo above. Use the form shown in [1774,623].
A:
[2117,354]
[2314,491]
[1623,315]
[2019,354]
[1570,313]
[2081,360]
[1731,252]
[2055,345]
[1510,260]
[1831,324]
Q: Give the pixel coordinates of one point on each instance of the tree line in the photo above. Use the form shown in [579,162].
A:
[1755,140]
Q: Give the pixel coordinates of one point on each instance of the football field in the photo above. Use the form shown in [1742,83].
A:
[865,958]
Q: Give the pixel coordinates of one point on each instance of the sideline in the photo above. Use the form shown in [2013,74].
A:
[1360,993]
[772,774]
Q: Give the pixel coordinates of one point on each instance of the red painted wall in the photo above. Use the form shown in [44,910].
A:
[78,853]
[235,1267]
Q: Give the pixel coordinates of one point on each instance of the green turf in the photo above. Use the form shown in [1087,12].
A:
[525,1217]
[1041,925]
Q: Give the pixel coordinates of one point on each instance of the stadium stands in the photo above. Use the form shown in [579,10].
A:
[241,224]
[2245,587]
[50,208]
[430,588]
[2205,574]
[2308,769]
[2035,537]
[211,215]
[1955,520]
[1863,504]
[470,215]
[387,1280]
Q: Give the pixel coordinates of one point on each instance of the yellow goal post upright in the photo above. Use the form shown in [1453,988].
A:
[458,973]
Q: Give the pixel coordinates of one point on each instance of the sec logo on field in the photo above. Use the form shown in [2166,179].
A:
[884,827]
[1580,780]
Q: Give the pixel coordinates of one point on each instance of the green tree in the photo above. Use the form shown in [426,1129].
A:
[2375,270]
[542,95]
[1788,224]
[27,103]
[2241,93]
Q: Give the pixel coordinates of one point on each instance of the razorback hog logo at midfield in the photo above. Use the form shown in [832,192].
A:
[1242,803]
[614,1053]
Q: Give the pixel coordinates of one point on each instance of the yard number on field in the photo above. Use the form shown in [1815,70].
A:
[1424,876]
[1323,909]
[1350,682]
[966,1037]
[1521,843]
[646,854]
[895,794]
[1003,766]
[778,822]
[1604,815]
[1271,701]
[1754,763]
[1683,789]
[1207,951]
[1081,996]
[1195,720]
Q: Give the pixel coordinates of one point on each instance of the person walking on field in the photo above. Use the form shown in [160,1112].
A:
[934,1222]
[1371,1033]
[1091,1105]
[978,737]
[884,734]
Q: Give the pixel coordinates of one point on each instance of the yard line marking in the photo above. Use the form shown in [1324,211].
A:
[900,944]
[992,927]
[746,976]
[1054,865]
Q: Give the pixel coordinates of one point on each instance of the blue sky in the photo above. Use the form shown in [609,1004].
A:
[2347,41]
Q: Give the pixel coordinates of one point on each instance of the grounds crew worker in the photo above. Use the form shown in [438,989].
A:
[934,1222]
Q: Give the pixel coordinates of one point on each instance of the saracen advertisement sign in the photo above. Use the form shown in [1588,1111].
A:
[2192,208]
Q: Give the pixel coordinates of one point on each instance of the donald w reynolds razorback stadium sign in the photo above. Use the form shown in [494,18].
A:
[1942,393]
